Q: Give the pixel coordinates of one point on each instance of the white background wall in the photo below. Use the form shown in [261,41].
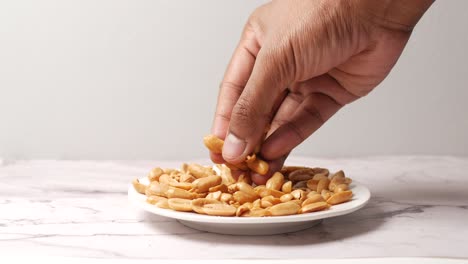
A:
[138,79]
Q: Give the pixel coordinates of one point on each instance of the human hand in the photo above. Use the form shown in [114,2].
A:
[297,63]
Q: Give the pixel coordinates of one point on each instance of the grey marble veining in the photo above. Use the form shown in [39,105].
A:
[419,207]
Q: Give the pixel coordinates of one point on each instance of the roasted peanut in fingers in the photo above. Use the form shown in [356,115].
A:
[257,165]
[214,144]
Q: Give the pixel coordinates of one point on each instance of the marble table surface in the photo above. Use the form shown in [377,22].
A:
[419,208]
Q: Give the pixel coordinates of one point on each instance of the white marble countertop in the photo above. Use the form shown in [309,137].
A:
[419,208]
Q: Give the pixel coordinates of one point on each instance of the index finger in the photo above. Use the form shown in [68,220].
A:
[235,78]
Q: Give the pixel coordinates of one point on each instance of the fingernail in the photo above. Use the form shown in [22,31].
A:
[233,147]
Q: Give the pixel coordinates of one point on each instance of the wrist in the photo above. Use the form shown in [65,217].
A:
[394,14]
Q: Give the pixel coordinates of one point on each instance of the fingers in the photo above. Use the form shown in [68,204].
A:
[310,114]
[235,78]
[254,108]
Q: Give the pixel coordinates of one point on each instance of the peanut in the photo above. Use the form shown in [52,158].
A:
[260,212]
[313,207]
[226,197]
[246,188]
[154,174]
[139,187]
[287,208]
[178,204]
[173,192]
[219,209]
[341,188]
[157,188]
[299,195]
[287,187]
[313,199]
[199,171]
[202,185]
[214,144]
[159,201]
[323,184]
[200,189]
[198,204]
[286,197]
[326,194]
[214,195]
[243,197]
[340,197]
[275,182]
[222,187]
[257,165]
[301,175]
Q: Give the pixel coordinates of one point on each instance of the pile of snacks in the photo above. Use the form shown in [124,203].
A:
[201,189]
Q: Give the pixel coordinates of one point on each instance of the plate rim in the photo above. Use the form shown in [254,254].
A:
[363,197]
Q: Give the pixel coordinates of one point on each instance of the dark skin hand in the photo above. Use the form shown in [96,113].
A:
[298,62]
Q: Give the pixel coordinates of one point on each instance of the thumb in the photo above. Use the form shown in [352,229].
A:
[254,109]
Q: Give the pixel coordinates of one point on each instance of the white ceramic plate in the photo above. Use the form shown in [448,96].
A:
[254,225]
